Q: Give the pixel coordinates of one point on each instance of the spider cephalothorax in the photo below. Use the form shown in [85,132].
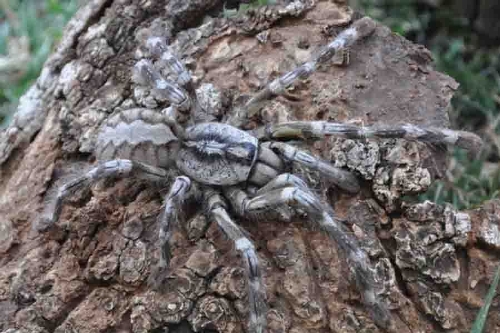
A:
[222,162]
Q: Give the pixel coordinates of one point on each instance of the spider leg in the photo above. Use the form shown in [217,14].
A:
[321,129]
[282,180]
[262,174]
[358,30]
[322,214]
[342,57]
[342,178]
[114,168]
[256,290]
[169,217]
[147,74]
[161,51]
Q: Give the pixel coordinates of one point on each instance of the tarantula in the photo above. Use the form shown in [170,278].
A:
[223,162]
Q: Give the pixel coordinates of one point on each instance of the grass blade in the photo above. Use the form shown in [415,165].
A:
[478,325]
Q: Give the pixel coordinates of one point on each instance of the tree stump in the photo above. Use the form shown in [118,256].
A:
[89,273]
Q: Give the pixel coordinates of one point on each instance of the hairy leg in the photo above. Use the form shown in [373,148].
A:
[342,178]
[167,219]
[256,288]
[320,129]
[161,51]
[283,180]
[147,74]
[358,30]
[114,168]
[322,214]
[283,213]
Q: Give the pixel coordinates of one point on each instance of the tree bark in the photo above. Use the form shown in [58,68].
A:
[89,273]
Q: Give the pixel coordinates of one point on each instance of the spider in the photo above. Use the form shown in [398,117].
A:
[221,163]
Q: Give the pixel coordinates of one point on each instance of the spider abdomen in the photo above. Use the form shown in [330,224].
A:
[137,134]
[217,154]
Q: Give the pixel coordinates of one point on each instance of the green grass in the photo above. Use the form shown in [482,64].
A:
[476,105]
[482,315]
[36,26]
[467,183]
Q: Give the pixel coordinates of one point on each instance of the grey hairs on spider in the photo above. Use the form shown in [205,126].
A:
[219,162]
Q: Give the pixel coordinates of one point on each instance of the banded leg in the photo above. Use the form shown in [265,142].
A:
[358,30]
[114,168]
[256,291]
[160,50]
[283,180]
[342,178]
[167,219]
[321,129]
[147,74]
[323,215]
[284,213]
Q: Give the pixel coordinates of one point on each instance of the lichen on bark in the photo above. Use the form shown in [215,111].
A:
[89,273]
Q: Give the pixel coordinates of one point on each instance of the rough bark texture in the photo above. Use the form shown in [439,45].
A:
[88,274]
